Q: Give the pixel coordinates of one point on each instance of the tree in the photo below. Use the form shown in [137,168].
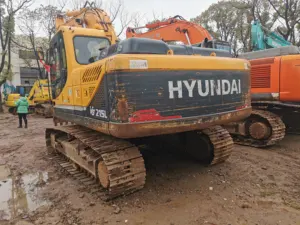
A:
[8,11]
[48,14]
[249,10]
[224,22]
[30,26]
[78,4]
[138,20]
[117,12]
[231,21]
[33,23]
[288,13]
[220,19]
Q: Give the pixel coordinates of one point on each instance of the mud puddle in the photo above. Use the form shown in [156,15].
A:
[20,194]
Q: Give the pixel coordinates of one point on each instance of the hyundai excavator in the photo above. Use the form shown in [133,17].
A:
[119,95]
[264,127]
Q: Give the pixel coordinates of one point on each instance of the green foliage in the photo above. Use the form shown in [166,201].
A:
[6,74]
[9,24]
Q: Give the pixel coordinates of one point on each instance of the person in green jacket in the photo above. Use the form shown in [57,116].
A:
[22,110]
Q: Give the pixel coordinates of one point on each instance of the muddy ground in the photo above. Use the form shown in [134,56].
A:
[252,187]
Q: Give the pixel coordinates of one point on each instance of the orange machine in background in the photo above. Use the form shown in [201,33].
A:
[173,29]
[275,82]
[178,29]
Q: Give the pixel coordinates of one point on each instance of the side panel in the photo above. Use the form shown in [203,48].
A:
[290,78]
[90,80]
[265,78]
[162,95]
[139,104]
[77,95]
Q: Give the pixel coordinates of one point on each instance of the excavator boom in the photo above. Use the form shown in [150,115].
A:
[178,29]
[173,29]
[264,39]
[88,17]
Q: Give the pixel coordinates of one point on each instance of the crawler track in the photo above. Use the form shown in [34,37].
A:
[88,181]
[211,146]
[222,144]
[116,164]
[275,124]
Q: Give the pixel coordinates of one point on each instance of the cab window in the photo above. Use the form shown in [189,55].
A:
[87,49]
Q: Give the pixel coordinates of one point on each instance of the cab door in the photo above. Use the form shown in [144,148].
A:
[58,71]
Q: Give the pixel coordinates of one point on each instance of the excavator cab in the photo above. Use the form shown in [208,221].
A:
[214,44]
[221,45]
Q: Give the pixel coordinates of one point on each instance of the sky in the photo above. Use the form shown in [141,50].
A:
[161,8]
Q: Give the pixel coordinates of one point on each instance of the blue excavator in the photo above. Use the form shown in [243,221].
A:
[262,38]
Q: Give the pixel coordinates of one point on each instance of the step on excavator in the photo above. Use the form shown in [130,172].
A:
[263,127]
[112,96]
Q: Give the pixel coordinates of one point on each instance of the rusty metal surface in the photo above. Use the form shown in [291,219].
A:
[273,122]
[133,96]
[144,96]
[144,129]
[222,143]
[124,165]
[259,130]
[236,128]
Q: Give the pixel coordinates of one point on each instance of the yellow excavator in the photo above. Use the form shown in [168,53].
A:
[121,95]
[12,97]
[39,99]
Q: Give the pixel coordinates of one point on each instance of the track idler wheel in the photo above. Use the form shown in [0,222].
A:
[259,130]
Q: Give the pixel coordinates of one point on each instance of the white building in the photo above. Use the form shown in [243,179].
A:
[15,61]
